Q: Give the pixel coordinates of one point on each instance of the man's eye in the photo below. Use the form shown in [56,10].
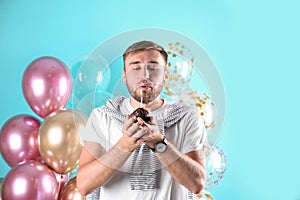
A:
[136,68]
[152,67]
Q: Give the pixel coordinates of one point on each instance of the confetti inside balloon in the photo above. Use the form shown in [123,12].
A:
[215,167]
[205,105]
[204,195]
[180,66]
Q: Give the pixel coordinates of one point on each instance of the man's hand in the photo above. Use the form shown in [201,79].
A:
[153,134]
[133,134]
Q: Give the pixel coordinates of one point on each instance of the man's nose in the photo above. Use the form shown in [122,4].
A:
[144,73]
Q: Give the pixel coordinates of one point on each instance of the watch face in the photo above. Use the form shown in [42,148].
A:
[160,147]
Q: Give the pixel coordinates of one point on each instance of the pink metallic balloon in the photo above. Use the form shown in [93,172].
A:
[19,139]
[31,180]
[47,85]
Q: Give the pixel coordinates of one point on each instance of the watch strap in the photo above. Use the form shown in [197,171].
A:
[164,141]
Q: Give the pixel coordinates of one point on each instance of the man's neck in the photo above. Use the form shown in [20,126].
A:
[154,105]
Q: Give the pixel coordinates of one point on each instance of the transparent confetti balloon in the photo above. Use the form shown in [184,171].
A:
[206,106]
[204,195]
[215,167]
[180,67]
[169,94]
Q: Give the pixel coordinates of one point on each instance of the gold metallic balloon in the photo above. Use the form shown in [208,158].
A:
[59,140]
[70,191]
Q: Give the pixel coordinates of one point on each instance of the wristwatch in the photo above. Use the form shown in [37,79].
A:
[161,146]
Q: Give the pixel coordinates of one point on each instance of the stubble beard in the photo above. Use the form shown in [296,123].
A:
[146,96]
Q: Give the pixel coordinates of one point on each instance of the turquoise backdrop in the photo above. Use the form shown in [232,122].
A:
[254,44]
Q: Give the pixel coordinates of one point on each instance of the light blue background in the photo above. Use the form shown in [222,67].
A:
[254,44]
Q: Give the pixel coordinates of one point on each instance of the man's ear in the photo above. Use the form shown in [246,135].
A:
[166,75]
[123,76]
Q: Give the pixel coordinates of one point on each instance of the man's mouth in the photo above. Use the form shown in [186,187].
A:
[145,87]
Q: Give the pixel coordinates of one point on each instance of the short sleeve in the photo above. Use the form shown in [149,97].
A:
[95,130]
[194,130]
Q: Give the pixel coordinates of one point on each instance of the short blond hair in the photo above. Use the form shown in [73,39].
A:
[144,46]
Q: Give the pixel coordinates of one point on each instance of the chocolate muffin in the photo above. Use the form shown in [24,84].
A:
[142,113]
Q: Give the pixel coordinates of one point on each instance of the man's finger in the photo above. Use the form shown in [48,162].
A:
[128,123]
[141,132]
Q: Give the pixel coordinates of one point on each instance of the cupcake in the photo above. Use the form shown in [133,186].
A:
[142,113]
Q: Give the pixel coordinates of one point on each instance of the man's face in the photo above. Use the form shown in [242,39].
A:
[144,74]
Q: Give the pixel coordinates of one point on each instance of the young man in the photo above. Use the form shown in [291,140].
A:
[131,158]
